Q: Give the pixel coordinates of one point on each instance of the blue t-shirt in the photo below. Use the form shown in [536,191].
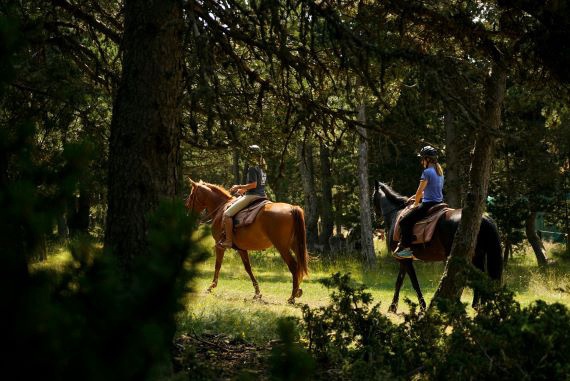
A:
[433,192]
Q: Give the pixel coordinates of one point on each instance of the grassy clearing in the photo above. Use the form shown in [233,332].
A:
[231,310]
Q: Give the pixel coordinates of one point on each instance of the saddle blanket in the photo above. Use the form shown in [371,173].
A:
[247,215]
[423,229]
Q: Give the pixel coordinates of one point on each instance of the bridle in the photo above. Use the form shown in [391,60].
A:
[191,203]
[386,215]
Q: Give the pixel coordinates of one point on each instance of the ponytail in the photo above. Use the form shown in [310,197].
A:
[436,165]
[438,169]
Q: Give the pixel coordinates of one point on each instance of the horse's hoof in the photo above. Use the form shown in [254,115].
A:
[299,293]
[211,288]
[393,308]
[291,300]
[257,297]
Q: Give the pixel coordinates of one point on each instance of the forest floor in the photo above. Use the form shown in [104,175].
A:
[229,314]
[227,334]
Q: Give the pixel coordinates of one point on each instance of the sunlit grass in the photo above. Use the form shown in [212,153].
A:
[230,309]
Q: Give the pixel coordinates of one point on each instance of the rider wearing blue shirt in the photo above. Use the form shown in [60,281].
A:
[430,191]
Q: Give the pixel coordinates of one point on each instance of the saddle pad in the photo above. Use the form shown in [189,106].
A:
[423,229]
[247,215]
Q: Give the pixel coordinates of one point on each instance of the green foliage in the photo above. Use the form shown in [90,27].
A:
[289,360]
[84,322]
[502,341]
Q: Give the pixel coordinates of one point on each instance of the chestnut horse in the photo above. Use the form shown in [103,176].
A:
[277,224]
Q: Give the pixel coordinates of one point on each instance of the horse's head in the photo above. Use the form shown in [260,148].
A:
[194,202]
[206,196]
[377,199]
[386,202]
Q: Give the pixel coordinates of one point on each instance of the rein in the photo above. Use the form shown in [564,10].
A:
[389,213]
[209,216]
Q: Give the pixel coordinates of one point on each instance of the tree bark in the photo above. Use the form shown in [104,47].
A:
[507,251]
[83,209]
[327,222]
[534,240]
[62,229]
[364,195]
[454,277]
[453,178]
[145,135]
[235,166]
[306,167]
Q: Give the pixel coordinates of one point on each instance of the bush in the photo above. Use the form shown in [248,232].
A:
[503,340]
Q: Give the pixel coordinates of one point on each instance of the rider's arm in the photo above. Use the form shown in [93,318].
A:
[243,188]
[420,191]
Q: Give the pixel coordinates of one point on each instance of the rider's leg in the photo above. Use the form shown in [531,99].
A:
[407,229]
[228,224]
[227,221]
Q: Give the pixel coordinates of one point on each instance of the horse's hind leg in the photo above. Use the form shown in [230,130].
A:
[292,265]
[414,278]
[479,263]
[219,258]
[399,280]
[245,259]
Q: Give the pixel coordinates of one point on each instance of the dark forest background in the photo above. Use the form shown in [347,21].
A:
[108,107]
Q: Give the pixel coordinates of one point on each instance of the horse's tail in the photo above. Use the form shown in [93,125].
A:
[300,242]
[492,246]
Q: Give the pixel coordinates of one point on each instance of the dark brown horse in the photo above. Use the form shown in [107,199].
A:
[388,204]
[277,224]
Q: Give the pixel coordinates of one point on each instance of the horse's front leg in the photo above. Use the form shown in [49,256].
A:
[219,258]
[399,281]
[245,259]
[413,277]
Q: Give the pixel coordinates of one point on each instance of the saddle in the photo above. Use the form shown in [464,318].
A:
[247,215]
[424,228]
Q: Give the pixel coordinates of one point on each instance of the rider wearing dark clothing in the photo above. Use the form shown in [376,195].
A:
[248,192]
[256,175]
[430,191]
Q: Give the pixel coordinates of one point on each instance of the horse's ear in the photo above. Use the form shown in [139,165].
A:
[192,183]
[376,185]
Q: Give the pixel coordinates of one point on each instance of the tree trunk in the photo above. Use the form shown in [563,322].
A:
[83,209]
[306,167]
[566,211]
[62,230]
[364,195]
[454,276]
[338,213]
[145,135]
[507,251]
[534,240]
[327,222]
[453,178]
[235,166]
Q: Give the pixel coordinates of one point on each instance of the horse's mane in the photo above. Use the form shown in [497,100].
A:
[392,195]
[218,189]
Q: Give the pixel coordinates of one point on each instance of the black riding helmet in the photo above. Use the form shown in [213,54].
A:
[428,151]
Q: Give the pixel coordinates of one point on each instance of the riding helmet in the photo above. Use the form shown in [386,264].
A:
[254,148]
[428,151]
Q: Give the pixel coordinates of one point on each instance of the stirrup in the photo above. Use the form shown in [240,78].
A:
[222,244]
[403,253]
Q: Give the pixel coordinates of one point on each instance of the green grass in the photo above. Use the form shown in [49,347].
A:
[230,309]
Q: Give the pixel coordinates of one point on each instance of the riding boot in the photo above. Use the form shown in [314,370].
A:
[403,251]
[229,232]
